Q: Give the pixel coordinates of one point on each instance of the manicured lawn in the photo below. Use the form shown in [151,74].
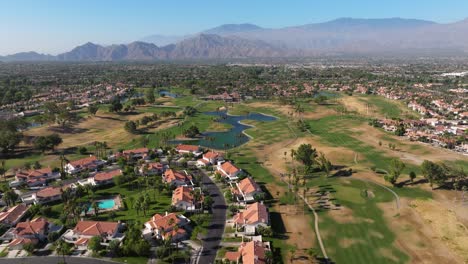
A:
[388,108]
[364,235]
[334,131]
[159,203]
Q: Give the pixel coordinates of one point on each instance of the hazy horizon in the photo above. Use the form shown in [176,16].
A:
[54,27]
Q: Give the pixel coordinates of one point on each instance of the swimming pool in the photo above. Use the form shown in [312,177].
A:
[104,205]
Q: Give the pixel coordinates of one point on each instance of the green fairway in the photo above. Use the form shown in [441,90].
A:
[362,236]
[334,131]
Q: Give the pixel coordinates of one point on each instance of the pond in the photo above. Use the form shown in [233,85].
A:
[231,138]
[168,94]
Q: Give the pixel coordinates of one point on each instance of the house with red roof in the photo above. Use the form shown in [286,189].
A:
[253,252]
[183,199]
[151,168]
[210,158]
[167,226]
[36,177]
[177,178]
[13,215]
[105,177]
[228,170]
[48,195]
[251,217]
[246,190]
[27,232]
[140,153]
[90,163]
[85,230]
[186,149]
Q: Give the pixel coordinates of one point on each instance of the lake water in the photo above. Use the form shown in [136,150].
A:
[167,94]
[227,139]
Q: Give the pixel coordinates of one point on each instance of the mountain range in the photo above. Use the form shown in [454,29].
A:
[344,36]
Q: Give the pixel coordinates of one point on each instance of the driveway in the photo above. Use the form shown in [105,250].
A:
[212,240]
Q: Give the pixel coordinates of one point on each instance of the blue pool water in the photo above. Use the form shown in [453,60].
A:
[104,205]
[227,139]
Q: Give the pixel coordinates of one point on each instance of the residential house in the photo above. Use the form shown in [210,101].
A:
[253,252]
[183,199]
[85,230]
[246,190]
[13,215]
[47,195]
[164,226]
[140,153]
[228,170]
[254,215]
[186,149]
[90,163]
[151,168]
[176,178]
[105,177]
[210,158]
[36,177]
[28,232]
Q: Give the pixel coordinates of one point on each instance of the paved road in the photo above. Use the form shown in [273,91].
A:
[213,238]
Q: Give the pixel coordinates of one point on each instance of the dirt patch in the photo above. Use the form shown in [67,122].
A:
[415,236]
[387,253]
[445,225]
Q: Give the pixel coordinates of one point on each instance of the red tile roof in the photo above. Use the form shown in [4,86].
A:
[182,193]
[164,222]
[33,173]
[107,175]
[211,155]
[229,168]
[170,175]
[253,214]
[136,151]
[22,241]
[83,162]
[248,185]
[13,214]
[252,252]
[96,228]
[33,227]
[49,192]
[189,148]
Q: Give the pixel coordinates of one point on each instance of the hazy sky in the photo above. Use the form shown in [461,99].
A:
[54,26]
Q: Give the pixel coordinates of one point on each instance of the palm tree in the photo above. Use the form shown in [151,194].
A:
[137,206]
[95,207]
[2,169]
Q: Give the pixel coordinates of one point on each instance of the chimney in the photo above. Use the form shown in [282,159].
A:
[166,213]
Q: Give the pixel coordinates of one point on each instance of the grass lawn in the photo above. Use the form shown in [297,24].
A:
[387,107]
[362,236]
[334,131]
[159,203]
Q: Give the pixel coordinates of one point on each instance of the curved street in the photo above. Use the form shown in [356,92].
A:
[212,240]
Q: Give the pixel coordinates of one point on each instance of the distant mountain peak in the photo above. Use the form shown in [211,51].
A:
[232,29]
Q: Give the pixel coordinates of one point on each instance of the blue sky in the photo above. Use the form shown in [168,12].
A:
[54,26]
